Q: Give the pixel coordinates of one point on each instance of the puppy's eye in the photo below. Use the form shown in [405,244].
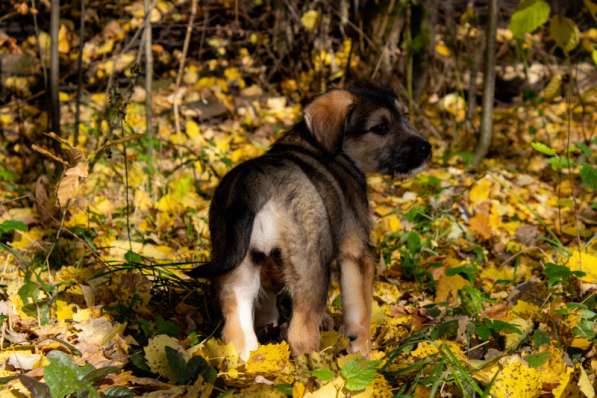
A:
[380,128]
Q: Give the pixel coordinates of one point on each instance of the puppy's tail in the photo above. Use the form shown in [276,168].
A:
[231,236]
[231,218]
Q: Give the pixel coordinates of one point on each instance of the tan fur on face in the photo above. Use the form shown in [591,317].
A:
[364,150]
[381,115]
[325,117]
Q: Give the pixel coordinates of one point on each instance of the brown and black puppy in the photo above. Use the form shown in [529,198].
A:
[280,220]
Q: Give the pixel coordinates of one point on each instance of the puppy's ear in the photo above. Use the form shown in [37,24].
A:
[325,118]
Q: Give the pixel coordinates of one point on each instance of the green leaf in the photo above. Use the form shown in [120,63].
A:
[12,225]
[164,326]
[560,162]
[324,374]
[118,392]
[501,326]
[584,148]
[196,366]
[584,329]
[594,56]
[536,360]
[529,15]
[133,257]
[177,364]
[467,272]
[472,300]
[540,338]
[285,389]
[565,33]
[588,176]
[359,373]
[413,242]
[29,292]
[559,273]
[542,148]
[63,377]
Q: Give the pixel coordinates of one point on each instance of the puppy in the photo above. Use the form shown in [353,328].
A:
[279,221]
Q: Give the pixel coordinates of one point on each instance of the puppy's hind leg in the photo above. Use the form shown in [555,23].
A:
[356,273]
[308,286]
[238,291]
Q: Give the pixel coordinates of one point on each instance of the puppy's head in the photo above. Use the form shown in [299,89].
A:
[369,124]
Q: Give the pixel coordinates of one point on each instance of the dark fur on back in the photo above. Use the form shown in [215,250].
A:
[247,187]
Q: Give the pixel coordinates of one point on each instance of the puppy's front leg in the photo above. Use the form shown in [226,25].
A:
[356,273]
[238,291]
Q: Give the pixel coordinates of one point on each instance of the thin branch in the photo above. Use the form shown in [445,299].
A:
[185,50]
[42,61]
[488,86]
[79,73]
[148,87]
[54,66]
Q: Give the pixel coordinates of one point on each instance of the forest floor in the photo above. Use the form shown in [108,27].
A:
[485,280]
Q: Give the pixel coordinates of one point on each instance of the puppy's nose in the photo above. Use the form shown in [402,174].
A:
[424,149]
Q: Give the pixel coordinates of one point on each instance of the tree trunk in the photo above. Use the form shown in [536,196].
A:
[488,86]
[54,67]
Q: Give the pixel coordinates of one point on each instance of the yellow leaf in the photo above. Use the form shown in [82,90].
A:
[442,49]
[232,74]
[329,390]
[64,310]
[525,310]
[26,239]
[448,287]
[310,20]
[269,358]
[453,104]
[585,385]
[192,129]
[102,206]
[82,315]
[63,39]
[142,200]
[585,262]
[64,97]
[561,391]
[480,224]
[516,380]
[390,223]
[581,343]
[216,352]
[298,390]
[155,354]
[159,252]
[386,292]
[480,191]
[512,340]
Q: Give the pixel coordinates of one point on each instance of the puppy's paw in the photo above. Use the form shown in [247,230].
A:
[303,340]
[359,345]
[245,352]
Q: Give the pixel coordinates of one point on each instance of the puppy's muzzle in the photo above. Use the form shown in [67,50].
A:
[410,156]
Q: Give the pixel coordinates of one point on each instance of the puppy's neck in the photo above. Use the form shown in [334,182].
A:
[300,136]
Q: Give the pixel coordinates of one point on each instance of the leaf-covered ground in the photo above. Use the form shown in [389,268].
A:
[485,280]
